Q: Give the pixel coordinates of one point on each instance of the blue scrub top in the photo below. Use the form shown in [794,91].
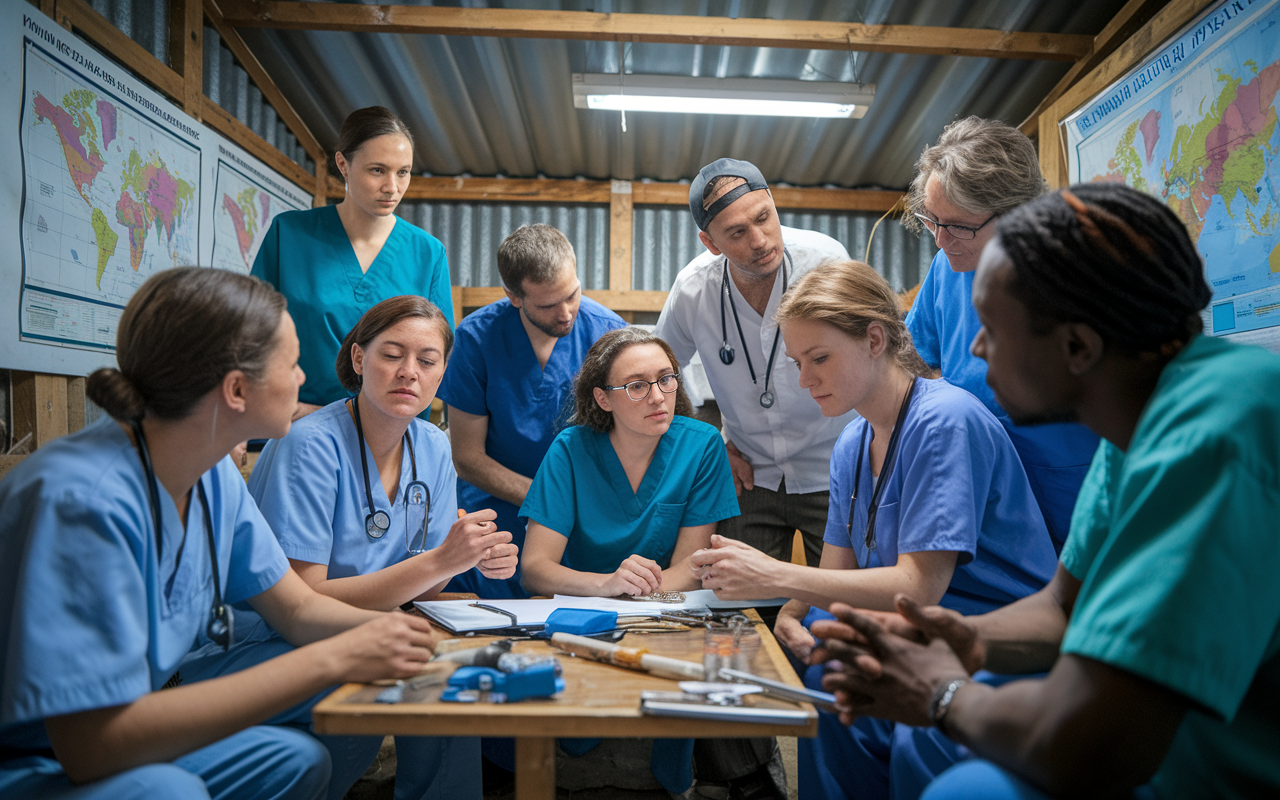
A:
[307,256]
[957,485]
[582,492]
[493,372]
[90,615]
[943,324]
[310,488]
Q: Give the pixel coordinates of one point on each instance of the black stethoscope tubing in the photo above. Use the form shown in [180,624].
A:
[890,461]
[378,522]
[221,621]
[726,351]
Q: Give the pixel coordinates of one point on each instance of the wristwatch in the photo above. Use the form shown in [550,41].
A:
[940,703]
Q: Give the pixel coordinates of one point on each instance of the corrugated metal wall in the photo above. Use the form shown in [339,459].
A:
[225,82]
[471,233]
[664,239]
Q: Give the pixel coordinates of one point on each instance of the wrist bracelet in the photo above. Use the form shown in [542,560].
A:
[940,703]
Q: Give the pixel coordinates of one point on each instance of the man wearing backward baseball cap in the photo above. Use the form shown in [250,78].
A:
[722,306]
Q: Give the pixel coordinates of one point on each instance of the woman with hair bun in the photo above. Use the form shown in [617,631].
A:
[928,500]
[126,543]
[333,263]
[362,497]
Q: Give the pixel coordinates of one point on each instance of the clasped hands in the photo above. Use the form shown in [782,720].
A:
[475,541]
[891,663]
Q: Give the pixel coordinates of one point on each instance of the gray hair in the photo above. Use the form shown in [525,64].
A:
[535,253]
[984,167]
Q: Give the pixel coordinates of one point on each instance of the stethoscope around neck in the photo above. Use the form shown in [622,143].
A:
[221,621]
[890,461]
[377,522]
[767,398]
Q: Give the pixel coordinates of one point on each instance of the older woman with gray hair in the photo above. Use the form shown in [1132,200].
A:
[978,170]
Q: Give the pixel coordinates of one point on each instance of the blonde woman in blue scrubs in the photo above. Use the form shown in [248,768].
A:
[362,497]
[336,262]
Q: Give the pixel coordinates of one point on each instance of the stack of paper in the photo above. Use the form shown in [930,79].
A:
[462,616]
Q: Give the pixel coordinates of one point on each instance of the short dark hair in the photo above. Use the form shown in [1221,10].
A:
[595,374]
[535,253]
[179,336]
[364,124]
[378,319]
[1113,258]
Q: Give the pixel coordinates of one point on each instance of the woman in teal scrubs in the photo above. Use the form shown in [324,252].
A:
[626,495]
[336,262]
[125,543]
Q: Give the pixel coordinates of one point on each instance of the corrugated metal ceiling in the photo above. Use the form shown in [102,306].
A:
[491,106]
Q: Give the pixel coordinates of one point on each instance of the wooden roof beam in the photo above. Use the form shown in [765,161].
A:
[1125,24]
[563,190]
[670,29]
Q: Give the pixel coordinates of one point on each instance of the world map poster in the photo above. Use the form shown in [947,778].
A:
[111,197]
[245,209]
[1195,126]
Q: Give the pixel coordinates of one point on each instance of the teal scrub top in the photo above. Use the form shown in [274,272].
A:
[307,256]
[582,492]
[1175,543]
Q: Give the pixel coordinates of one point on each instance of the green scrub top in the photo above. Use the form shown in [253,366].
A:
[307,256]
[1176,545]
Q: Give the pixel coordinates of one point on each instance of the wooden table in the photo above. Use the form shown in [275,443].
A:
[599,700]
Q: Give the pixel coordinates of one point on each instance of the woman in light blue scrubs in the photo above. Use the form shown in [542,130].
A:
[928,498]
[335,262]
[126,542]
[362,498]
[629,492]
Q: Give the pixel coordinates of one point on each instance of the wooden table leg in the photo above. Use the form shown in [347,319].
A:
[535,768]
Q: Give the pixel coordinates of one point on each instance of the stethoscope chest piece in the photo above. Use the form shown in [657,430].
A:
[766,400]
[377,524]
[726,354]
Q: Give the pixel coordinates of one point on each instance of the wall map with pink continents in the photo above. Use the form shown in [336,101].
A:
[111,197]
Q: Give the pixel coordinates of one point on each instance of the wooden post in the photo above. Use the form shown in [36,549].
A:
[47,7]
[535,768]
[620,220]
[320,196]
[1051,156]
[39,407]
[75,404]
[186,52]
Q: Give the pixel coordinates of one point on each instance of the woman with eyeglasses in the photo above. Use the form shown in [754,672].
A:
[362,498]
[124,546]
[928,499]
[633,488]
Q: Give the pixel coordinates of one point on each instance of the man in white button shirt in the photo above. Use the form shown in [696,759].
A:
[722,306]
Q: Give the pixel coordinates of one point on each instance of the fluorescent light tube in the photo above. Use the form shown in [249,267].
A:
[746,96]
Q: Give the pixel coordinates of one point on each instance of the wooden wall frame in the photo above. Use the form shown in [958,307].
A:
[1162,25]
[665,28]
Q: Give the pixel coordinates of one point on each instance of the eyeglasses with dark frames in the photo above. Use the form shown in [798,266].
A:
[965,232]
[639,390]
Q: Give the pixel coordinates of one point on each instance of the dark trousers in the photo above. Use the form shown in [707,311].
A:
[769,520]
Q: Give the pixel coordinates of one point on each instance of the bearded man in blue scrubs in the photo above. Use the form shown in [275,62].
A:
[509,384]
